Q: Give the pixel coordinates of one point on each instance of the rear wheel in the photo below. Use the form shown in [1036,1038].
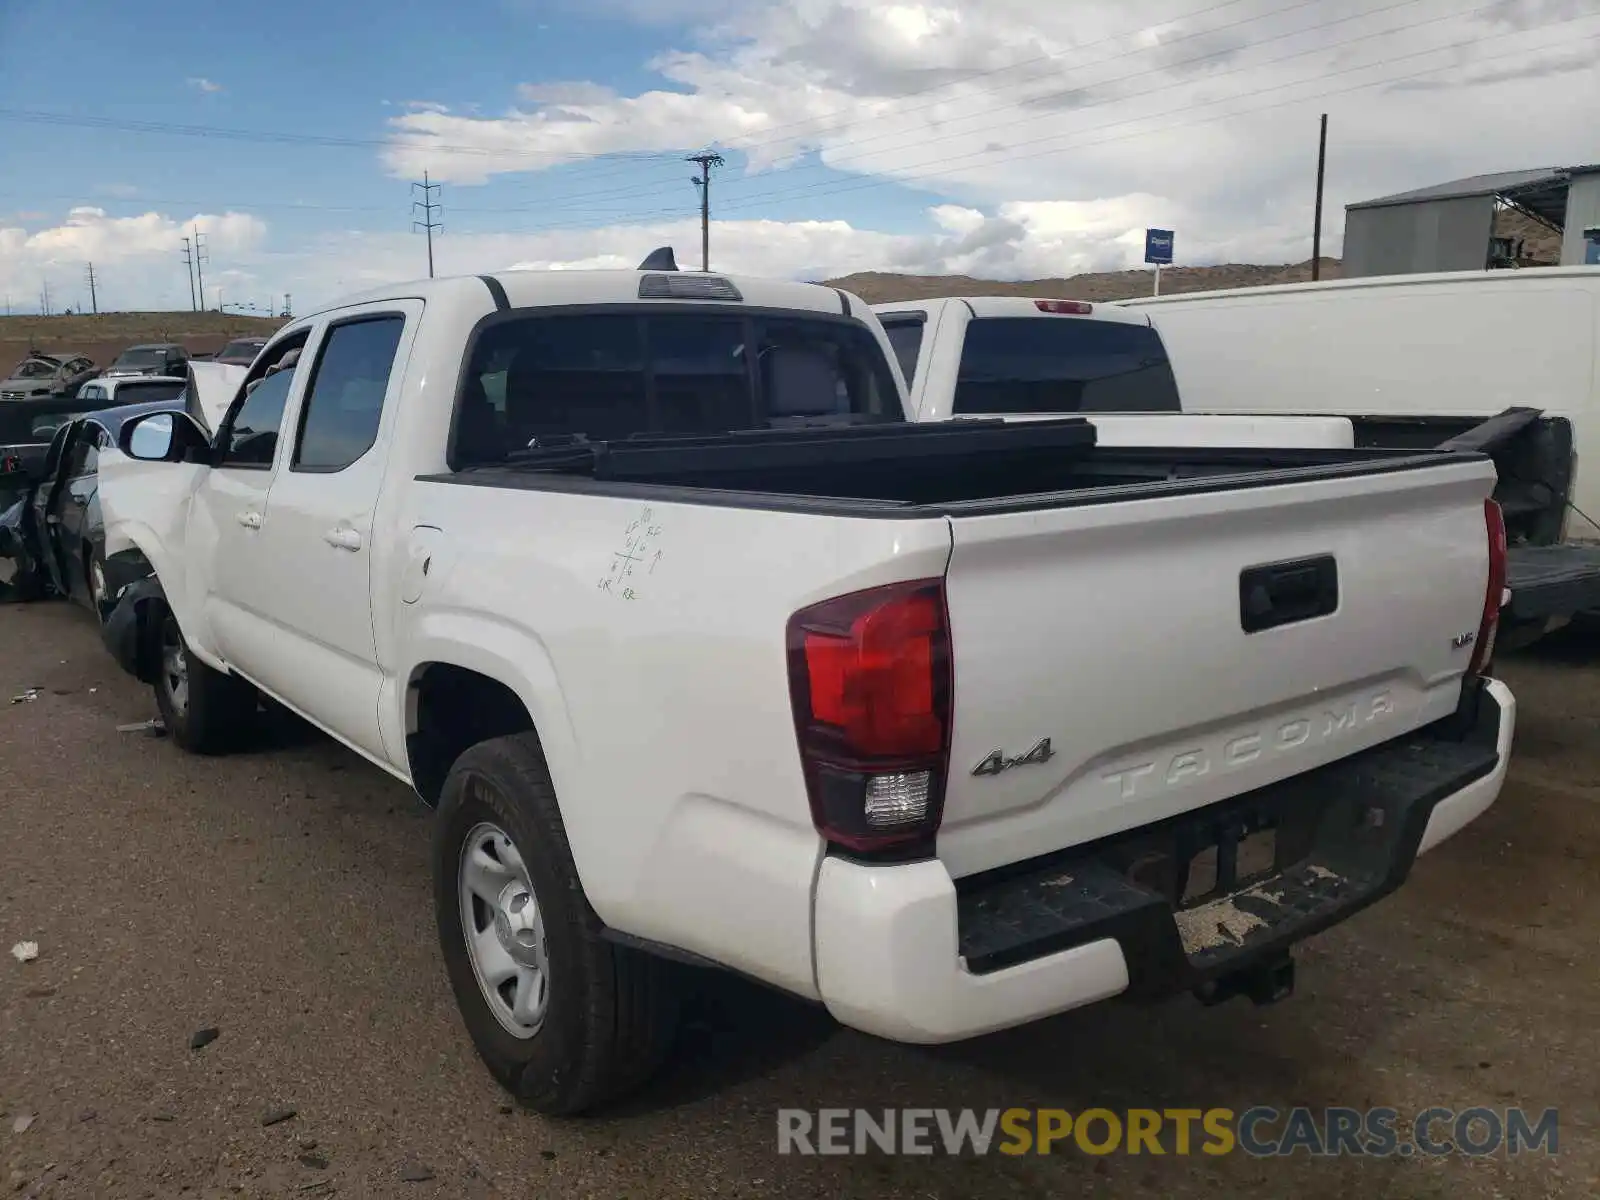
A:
[205,710]
[564,1019]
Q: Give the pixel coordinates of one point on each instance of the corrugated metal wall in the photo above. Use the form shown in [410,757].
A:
[1583,212]
[1406,239]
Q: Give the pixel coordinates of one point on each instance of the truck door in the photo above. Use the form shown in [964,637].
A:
[315,541]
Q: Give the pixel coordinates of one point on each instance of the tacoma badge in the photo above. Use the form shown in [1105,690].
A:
[996,762]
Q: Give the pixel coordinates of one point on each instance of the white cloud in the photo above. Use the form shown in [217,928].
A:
[202,84]
[140,252]
[1211,117]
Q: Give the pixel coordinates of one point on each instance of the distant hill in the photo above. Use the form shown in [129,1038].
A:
[102,337]
[877,288]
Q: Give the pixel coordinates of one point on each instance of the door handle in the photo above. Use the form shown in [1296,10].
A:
[250,519]
[343,538]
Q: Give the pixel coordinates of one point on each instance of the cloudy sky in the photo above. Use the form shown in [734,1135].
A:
[997,138]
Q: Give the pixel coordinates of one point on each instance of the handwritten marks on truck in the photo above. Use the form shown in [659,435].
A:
[638,557]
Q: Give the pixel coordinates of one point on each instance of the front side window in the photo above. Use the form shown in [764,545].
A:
[344,401]
[253,430]
[1063,365]
[612,375]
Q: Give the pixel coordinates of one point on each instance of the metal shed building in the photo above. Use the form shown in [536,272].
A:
[1447,227]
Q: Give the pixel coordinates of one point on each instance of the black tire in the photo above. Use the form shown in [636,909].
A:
[612,1010]
[211,712]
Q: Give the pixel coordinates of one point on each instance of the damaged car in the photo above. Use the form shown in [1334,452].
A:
[52,538]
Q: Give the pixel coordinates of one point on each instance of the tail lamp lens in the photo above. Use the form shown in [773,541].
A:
[1494,589]
[870,684]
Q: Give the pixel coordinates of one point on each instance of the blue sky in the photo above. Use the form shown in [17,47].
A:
[991,137]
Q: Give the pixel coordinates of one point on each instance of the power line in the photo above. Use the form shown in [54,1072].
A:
[94,300]
[707,160]
[427,204]
[188,264]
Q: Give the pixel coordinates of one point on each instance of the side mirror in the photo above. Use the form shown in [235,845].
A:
[161,437]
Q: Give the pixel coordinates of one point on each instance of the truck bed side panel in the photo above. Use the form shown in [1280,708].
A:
[647,641]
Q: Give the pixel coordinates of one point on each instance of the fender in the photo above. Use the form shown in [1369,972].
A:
[504,652]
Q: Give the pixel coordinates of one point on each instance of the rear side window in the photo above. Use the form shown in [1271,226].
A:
[905,338]
[344,403]
[611,375]
[1063,364]
[145,393]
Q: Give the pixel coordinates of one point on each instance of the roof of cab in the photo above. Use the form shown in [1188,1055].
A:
[1016,306]
[524,288]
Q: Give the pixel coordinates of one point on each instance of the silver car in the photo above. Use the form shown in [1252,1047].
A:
[40,376]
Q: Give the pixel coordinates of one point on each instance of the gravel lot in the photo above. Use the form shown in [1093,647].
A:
[281,898]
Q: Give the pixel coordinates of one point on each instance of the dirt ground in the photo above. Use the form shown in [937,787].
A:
[280,897]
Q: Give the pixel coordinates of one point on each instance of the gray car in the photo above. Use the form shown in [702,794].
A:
[40,376]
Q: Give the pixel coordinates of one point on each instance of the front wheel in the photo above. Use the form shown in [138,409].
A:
[95,575]
[205,710]
[564,1019]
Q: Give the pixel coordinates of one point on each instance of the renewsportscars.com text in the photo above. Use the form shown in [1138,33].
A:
[1262,1131]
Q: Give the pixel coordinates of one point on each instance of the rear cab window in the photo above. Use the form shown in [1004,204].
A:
[905,339]
[1063,364]
[612,374]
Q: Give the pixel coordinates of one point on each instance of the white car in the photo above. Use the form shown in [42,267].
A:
[703,652]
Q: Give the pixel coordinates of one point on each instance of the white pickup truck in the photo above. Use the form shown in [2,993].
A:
[1025,359]
[947,727]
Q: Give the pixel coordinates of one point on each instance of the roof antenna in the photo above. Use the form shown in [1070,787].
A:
[660,259]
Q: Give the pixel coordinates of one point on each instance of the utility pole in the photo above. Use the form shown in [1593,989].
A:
[94,300]
[188,268]
[44,298]
[200,256]
[707,160]
[1316,232]
[427,204]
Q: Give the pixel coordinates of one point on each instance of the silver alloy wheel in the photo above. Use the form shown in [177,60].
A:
[97,583]
[174,667]
[504,930]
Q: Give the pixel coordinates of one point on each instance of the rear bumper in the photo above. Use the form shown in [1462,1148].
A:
[906,953]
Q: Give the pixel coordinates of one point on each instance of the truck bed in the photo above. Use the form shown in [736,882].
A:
[922,470]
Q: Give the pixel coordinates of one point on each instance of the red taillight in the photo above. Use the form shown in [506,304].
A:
[869,677]
[1077,308]
[1483,652]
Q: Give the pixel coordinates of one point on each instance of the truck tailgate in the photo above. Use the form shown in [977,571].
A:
[1138,637]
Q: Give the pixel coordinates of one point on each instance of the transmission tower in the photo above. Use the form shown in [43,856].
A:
[94,300]
[188,268]
[200,256]
[427,204]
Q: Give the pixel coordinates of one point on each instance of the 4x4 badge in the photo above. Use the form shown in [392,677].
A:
[996,762]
